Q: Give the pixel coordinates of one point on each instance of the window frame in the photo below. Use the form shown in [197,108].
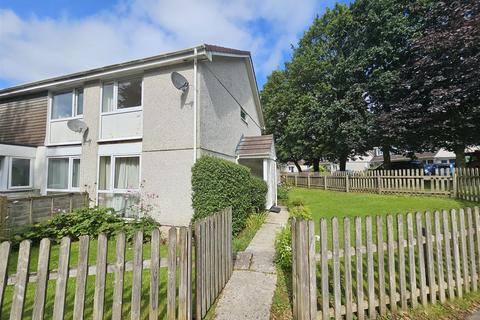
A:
[70,173]
[74,107]
[10,171]
[115,96]
[112,188]
[244,115]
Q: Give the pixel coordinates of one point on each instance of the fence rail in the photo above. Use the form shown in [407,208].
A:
[17,212]
[463,183]
[391,265]
[212,260]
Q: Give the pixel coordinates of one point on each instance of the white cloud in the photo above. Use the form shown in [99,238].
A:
[34,48]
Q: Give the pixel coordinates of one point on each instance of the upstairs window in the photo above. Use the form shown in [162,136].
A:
[122,94]
[243,115]
[67,104]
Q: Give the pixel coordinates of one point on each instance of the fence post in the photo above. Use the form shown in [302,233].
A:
[3,217]
[454,183]
[346,183]
[325,182]
[308,181]
[379,182]
[296,176]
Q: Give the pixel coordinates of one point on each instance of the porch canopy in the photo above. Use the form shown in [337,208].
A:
[258,153]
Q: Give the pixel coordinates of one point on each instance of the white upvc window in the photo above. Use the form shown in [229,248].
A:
[20,173]
[66,104]
[119,183]
[63,173]
[122,95]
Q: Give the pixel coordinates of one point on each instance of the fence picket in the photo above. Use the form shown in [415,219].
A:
[421,259]
[471,247]
[324,269]
[312,266]
[21,280]
[348,270]
[391,264]
[359,267]
[42,278]
[154,273]
[401,263]
[137,276]
[81,283]
[463,248]
[381,267]
[183,283]
[61,286]
[448,259]
[411,262]
[439,256]
[370,271]
[456,253]
[430,263]
[4,254]
[100,280]
[172,273]
[336,269]
[119,277]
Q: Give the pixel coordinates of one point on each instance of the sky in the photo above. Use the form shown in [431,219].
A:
[42,39]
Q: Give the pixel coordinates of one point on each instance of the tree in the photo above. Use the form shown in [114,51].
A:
[439,96]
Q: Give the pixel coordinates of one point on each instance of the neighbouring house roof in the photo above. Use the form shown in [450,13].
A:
[204,52]
[256,146]
[400,157]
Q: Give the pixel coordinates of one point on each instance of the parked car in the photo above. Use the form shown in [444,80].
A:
[430,169]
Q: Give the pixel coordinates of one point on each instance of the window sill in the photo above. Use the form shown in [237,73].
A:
[65,119]
[119,111]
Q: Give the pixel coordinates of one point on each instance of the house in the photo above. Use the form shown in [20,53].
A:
[133,130]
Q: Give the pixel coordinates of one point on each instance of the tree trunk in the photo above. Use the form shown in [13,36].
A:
[316,165]
[387,160]
[297,165]
[460,156]
[343,163]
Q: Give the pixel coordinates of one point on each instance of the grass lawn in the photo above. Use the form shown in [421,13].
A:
[327,204]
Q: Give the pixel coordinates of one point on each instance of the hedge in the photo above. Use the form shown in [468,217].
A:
[219,183]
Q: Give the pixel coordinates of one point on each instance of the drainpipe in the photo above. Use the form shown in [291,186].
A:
[194,105]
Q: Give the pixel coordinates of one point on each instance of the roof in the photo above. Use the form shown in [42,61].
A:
[256,146]
[203,51]
[400,157]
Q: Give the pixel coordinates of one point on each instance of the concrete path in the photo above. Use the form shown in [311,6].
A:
[248,294]
[474,316]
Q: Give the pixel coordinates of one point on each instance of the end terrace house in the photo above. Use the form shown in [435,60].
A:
[134,130]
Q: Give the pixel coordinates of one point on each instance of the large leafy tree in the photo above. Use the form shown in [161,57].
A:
[381,38]
[439,96]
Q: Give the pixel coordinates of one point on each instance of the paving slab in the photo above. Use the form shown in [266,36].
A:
[249,292]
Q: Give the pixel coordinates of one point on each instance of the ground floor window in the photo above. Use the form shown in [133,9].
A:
[119,183]
[20,173]
[63,173]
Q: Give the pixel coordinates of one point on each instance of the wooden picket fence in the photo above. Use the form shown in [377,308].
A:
[430,258]
[213,269]
[463,183]
[214,262]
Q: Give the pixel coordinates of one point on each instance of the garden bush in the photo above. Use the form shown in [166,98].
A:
[283,248]
[301,212]
[296,202]
[219,183]
[282,192]
[86,221]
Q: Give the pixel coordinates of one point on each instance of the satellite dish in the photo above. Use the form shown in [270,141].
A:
[179,81]
[77,125]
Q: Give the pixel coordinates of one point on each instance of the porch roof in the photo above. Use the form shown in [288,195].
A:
[256,146]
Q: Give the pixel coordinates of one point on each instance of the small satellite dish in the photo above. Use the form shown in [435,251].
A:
[179,81]
[77,125]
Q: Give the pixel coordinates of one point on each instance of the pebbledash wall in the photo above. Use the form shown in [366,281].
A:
[162,132]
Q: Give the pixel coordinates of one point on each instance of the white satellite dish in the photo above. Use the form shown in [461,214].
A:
[179,81]
[77,125]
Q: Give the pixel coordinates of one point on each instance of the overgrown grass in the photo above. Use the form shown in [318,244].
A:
[243,239]
[450,310]
[281,308]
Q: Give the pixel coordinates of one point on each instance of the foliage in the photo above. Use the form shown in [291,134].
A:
[258,191]
[283,248]
[282,192]
[296,202]
[218,183]
[253,224]
[86,221]
[301,212]
[439,96]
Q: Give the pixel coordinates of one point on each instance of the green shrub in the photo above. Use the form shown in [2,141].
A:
[283,249]
[282,192]
[86,221]
[218,183]
[258,191]
[296,202]
[301,212]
